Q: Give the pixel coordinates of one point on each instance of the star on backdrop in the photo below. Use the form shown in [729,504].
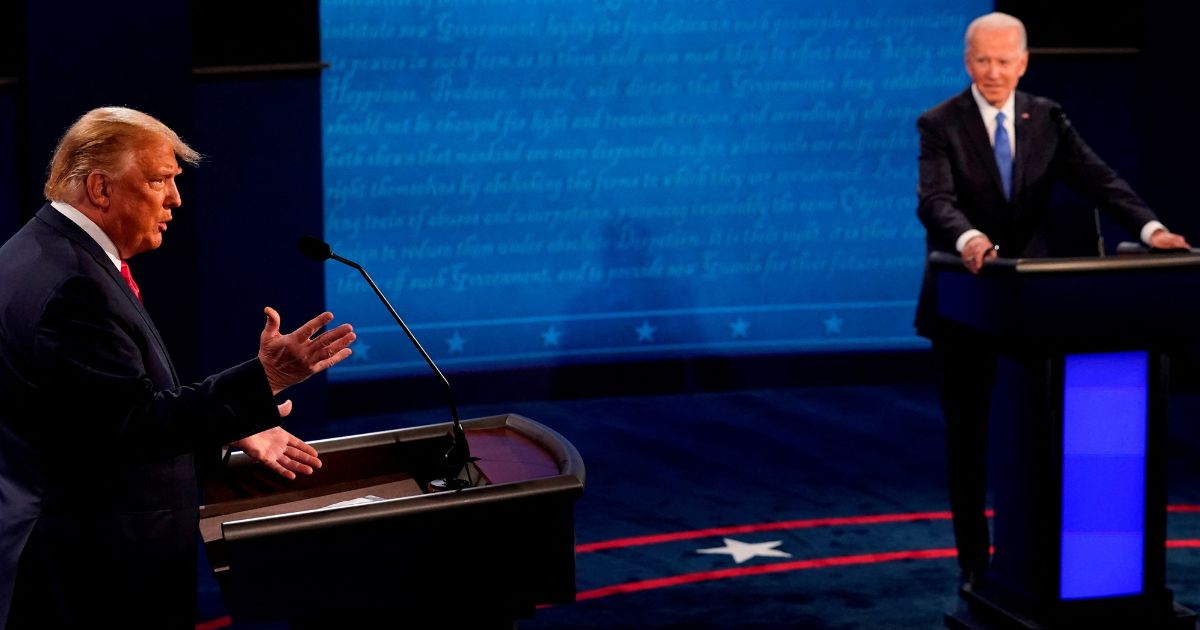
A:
[741,551]
[645,332]
[739,328]
[551,336]
[362,350]
[455,343]
[833,324]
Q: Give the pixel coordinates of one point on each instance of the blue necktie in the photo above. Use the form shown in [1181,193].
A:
[1003,155]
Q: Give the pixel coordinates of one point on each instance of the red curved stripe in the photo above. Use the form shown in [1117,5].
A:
[759,569]
[795,565]
[213,624]
[834,521]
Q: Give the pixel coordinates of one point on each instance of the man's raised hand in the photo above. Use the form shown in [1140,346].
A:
[291,358]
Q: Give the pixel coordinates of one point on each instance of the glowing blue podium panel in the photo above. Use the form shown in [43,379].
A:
[1104,474]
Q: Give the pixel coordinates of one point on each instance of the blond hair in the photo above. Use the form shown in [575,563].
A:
[100,140]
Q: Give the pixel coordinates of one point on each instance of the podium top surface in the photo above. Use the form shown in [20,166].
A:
[518,457]
[943,261]
[1125,301]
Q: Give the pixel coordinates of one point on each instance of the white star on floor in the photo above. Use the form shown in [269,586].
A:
[739,328]
[742,552]
[455,343]
[551,336]
[833,324]
[645,332]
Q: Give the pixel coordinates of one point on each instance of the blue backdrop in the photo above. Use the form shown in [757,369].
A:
[538,182]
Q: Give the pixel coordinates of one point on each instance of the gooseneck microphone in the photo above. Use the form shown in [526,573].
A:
[1065,129]
[459,454]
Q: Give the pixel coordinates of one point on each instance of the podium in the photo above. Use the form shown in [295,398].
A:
[362,543]
[1077,435]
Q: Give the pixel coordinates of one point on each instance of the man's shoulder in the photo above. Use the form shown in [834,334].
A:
[949,109]
[1027,102]
[39,251]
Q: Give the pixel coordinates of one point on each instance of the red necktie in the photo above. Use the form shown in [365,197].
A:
[125,273]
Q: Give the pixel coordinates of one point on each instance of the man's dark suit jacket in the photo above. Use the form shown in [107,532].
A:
[98,490]
[959,183]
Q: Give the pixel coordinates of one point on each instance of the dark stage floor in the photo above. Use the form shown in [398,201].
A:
[831,497]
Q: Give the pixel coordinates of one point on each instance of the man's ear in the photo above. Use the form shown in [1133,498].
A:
[98,188]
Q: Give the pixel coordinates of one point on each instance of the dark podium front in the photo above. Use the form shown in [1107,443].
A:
[1077,435]
[360,543]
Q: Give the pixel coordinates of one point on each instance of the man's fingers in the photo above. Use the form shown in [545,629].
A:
[283,472]
[285,408]
[272,326]
[296,466]
[331,344]
[337,358]
[974,262]
[311,327]
[302,446]
[334,335]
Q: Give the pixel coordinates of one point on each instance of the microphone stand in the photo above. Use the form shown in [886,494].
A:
[1065,130]
[456,458]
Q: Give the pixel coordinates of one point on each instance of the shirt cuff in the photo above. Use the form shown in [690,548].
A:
[970,234]
[1151,228]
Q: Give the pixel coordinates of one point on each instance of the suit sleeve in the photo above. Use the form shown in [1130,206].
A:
[937,201]
[93,368]
[1087,174]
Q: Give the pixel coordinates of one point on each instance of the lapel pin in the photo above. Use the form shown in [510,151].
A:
[1024,115]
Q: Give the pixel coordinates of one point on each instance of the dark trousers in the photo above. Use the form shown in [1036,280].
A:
[967,364]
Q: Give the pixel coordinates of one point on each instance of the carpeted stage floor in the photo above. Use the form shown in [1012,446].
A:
[832,498]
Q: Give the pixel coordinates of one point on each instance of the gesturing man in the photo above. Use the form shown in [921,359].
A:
[99,441]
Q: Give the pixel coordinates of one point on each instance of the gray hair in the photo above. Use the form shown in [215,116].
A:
[993,21]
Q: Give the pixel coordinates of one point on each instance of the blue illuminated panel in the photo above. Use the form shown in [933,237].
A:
[1104,474]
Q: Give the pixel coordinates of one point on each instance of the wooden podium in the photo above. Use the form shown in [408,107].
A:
[1077,435]
[360,543]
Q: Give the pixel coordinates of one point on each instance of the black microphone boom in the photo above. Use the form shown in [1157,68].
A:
[1064,131]
[459,454]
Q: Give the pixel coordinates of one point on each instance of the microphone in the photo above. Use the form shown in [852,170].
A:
[1064,128]
[459,454]
[1060,117]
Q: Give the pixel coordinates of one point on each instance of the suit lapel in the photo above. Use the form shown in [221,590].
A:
[977,137]
[67,228]
[1021,130]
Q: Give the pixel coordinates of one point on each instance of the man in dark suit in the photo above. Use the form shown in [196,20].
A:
[989,158]
[99,441]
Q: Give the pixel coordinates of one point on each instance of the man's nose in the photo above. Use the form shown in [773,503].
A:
[173,199]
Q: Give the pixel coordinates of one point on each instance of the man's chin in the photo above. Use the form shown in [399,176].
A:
[152,243]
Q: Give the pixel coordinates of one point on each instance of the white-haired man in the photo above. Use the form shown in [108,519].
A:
[989,158]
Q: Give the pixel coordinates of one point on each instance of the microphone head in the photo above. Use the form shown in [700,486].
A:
[314,248]
[1059,116]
